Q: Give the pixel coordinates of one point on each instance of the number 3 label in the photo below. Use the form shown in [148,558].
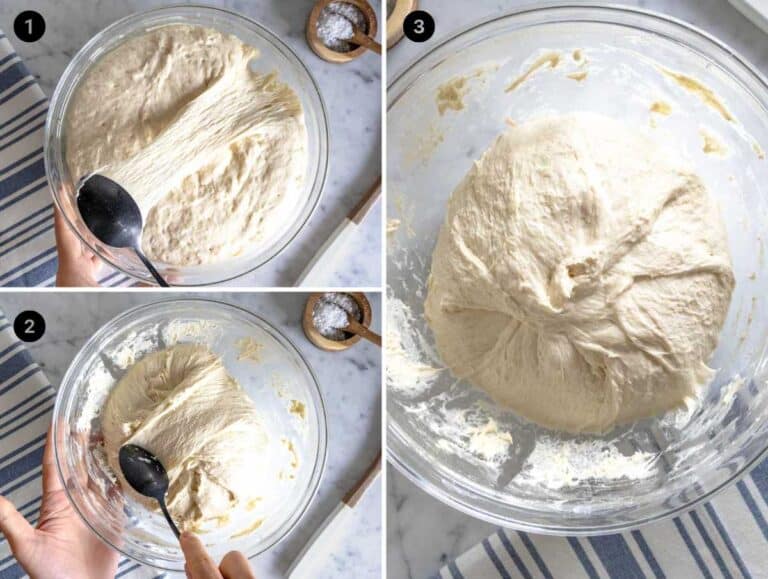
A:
[419,26]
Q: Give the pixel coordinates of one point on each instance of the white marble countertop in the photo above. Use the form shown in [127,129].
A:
[350,382]
[423,533]
[351,93]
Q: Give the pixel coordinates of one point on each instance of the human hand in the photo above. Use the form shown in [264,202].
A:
[78,266]
[199,564]
[61,545]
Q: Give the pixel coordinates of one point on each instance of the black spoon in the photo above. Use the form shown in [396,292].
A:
[113,217]
[146,474]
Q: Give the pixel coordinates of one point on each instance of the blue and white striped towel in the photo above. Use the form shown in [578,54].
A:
[727,537]
[27,243]
[26,403]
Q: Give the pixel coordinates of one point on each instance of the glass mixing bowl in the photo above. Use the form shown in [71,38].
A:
[279,377]
[274,55]
[447,436]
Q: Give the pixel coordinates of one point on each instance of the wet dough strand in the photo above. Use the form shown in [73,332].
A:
[215,153]
[183,406]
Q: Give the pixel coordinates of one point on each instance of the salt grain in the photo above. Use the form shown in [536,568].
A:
[331,314]
[336,24]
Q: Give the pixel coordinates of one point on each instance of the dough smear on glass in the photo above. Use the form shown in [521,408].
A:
[214,153]
[183,406]
[581,276]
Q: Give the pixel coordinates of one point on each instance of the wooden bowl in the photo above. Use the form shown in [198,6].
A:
[395,20]
[331,55]
[321,341]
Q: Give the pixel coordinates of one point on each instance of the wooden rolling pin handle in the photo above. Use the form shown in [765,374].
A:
[356,493]
[359,211]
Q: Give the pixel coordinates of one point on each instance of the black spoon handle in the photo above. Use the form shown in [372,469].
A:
[148,264]
[174,528]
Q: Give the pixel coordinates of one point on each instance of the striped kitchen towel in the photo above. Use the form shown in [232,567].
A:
[27,243]
[727,537]
[26,405]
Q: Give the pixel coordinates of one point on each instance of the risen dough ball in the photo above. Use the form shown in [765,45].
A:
[182,405]
[581,276]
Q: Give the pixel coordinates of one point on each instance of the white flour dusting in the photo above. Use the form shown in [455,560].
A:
[466,433]
[198,331]
[488,441]
[133,348]
[99,382]
[556,464]
[406,369]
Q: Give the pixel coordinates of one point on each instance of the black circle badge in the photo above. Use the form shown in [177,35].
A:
[29,26]
[419,26]
[29,326]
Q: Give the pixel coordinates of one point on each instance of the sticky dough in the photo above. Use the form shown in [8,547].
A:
[214,153]
[182,405]
[581,275]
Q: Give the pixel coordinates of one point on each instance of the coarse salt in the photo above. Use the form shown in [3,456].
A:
[336,24]
[331,314]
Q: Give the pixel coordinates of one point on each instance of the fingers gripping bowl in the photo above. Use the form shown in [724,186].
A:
[273,375]
[234,168]
[448,436]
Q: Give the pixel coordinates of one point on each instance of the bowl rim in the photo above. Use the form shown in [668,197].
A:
[554,6]
[413,469]
[321,459]
[455,502]
[324,144]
